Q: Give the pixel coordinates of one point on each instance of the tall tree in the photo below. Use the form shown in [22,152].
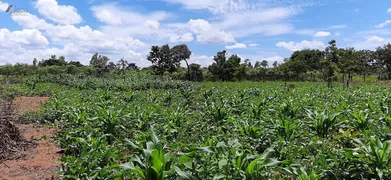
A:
[367,59]
[162,60]
[265,64]
[331,61]
[35,62]
[181,53]
[248,64]
[122,64]
[384,57]
[348,64]
[217,68]
[275,64]
[53,61]
[196,72]
[99,62]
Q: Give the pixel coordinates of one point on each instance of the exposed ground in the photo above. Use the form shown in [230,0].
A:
[37,160]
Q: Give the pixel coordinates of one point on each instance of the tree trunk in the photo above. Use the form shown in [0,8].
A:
[364,77]
[188,71]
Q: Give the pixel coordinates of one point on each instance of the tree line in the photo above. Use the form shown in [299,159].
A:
[329,65]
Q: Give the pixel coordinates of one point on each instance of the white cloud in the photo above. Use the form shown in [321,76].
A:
[230,6]
[203,60]
[375,39]
[339,26]
[305,32]
[70,33]
[292,46]
[254,17]
[237,46]
[265,29]
[253,45]
[207,34]
[199,25]
[114,15]
[372,42]
[383,24]
[23,38]
[70,52]
[31,21]
[187,37]
[215,37]
[389,10]
[356,10]
[152,24]
[3,6]
[61,14]
[322,34]
[214,6]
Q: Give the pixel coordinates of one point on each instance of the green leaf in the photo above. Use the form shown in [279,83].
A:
[127,166]
[157,163]
[217,177]
[222,163]
[182,174]
[272,163]
[131,144]
[155,139]
[251,166]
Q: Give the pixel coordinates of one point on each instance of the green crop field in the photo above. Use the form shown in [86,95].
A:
[137,128]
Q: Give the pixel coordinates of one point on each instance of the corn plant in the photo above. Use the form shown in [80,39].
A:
[151,163]
[322,123]
[376,154]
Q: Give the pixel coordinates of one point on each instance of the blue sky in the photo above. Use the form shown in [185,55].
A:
[254,29]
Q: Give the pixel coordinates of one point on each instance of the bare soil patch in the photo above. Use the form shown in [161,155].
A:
[37,157]
[22,103]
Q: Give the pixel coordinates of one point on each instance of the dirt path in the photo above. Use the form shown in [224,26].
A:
[42,160]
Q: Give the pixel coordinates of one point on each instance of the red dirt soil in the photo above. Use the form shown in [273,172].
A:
[39,162]
[22,103]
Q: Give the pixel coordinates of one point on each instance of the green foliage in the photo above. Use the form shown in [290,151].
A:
[99,62]
[31,117]
[131,127]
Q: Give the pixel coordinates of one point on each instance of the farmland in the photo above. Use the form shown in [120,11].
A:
[142,127]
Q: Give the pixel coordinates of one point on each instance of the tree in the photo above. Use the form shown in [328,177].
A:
[265,64]
[384,58]
[263,69]
[196,72]
[122,64]
[367,59]
[35,62]
[257,65]
[217,68]
[348,63]
[162,60]
[285,68]
[75,63]
[53,61]
[132,66]
[181,53]
[111,66]
[241,72]
[275,64]
[248,64]
[99,62]
[331,61]
[231,68]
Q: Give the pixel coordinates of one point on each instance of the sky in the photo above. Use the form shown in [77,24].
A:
[252,29]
